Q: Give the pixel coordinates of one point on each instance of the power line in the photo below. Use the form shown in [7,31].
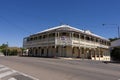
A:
[118,29]
[13,24]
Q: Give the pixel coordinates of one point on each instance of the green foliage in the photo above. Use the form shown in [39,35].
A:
[115,54]
[113,39]
[10,51]
[3,46]
[13,52]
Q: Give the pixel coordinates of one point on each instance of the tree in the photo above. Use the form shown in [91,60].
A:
[3,48]
[14,51]
[113,39]
[10,51]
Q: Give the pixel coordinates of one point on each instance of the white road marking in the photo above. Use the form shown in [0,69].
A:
[12,79]
[28,76]
[3,69]
[1,65]
[7,73]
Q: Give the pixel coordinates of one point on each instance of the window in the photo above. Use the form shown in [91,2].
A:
[63,34]
[96,40]
[52,35]
[82,36]
[35,38]
[43,36]
[27,39]
[76,35]
[31,39]
[87,38]
[109,43]
[40,37]
[92,39]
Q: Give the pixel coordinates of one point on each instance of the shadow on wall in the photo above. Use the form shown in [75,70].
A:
[115,54]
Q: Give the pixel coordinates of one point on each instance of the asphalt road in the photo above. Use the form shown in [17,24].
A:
[61,69]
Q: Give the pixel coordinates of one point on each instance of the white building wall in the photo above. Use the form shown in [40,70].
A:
[115,43]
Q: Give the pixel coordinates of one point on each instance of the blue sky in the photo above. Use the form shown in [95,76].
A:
[20,18]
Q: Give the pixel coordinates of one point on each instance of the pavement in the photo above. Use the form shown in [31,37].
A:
[1,54]
[57,69]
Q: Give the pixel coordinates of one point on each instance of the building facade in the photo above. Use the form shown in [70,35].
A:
[115,43]
[67,41]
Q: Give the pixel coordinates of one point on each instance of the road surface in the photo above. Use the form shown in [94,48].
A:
[62,69]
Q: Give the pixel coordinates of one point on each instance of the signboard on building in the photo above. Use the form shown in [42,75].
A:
[63,38]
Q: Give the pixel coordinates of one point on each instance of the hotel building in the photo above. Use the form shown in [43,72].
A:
[67,41]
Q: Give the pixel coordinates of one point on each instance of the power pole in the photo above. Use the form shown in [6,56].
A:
[7,49]
[118,32]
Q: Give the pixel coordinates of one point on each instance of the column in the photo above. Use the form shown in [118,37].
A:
[95,53]
[84,37]
[33,52]
[47,51]
[47,39]
[55,37]
[79,41]
[83,53]
[72,51]
[58,34]
[28,51]
[91,53]
[102,52]
[99,41]
[41,51]
[54,51]
[90,38]
[79,52]
[72,35]
[61,48]
[99,54]
[57,51]
[38,51]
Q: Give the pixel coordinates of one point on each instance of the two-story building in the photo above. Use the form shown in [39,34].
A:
[67,41]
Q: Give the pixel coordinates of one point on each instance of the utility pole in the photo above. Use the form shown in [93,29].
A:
[118,32]
[7,49]
[118,29]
